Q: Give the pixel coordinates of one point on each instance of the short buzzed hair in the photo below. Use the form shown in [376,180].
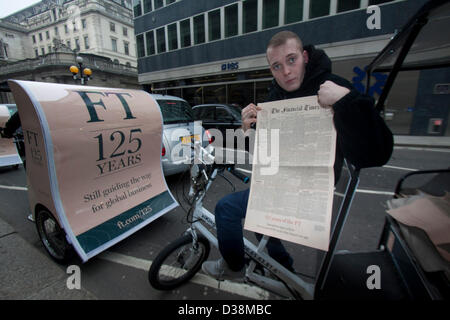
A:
[282,37]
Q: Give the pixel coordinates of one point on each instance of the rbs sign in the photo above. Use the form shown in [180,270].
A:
[230,66]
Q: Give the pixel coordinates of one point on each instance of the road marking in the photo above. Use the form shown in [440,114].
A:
[399,168]
[14,188]
[241,289]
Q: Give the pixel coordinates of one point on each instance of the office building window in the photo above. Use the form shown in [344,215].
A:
[36,52]
[77,44]
[47,34]
[199,29]
[126,48]
[293,11]
[185,33]
[43,51]
[319,8]
[86,42]
[137,9]
[371,2]
[125,32]
[140,45]
[231,20]
[161,40]
[270,13]
[214,25]
[83,23]
[159,4]
[150,40]
[112,27]
[34,38]
[148,6]
[40,36]
[345,5]
[172,36]
[250,15]
[114,45]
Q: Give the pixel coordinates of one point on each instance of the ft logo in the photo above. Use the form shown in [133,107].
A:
[374,281]
[74,280]
[374,20]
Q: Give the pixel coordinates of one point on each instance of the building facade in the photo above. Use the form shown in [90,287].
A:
[100,27]
[213,51]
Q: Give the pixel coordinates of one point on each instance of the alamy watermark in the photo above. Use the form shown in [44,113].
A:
[374,20]
[74,279]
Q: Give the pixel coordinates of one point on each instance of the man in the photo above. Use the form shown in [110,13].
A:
[362,138]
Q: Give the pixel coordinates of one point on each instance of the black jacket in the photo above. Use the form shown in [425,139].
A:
[12,125]
[362,135]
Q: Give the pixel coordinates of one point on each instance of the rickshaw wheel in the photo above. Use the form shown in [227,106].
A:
[53,237]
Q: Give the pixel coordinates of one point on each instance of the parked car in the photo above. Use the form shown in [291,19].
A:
[178,131]
[218,116]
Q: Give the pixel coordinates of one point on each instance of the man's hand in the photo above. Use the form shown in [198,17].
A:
[330,93]
[249,116]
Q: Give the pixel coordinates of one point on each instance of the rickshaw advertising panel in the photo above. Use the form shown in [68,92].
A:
[94,157]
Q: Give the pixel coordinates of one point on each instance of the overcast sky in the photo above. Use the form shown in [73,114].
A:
[10,6]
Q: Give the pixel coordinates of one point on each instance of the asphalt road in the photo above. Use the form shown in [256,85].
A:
[121,272]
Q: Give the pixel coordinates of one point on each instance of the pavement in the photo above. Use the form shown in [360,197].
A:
[26,273]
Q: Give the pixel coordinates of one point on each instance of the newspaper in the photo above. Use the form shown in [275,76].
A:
[291,196]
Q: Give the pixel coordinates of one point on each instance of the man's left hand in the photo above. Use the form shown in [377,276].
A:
[330,93]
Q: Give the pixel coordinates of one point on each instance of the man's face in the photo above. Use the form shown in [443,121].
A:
[287,64]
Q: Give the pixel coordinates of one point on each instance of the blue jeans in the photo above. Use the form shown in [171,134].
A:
[230,211]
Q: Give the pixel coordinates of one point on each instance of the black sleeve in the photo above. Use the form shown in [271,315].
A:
[12,125]
[362,135]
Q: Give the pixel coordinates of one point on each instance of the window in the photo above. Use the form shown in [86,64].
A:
[43,51]
[161,40]
[68,44]
[319,8]
[56,31]
[137,9]
[185,33]
[49,49]
[126,48]
[150,39]
[294,11]
[83,23]
[34,38]
[114,44]
[199,29]
[231,20]
[86,42]
[250,15]
[47,34]
[66,29]
[214,25]
[140,46]
[77,44]
[112,27]
[270,13]
[159,4]
[371,2]
[36,52]
[125,32]
[40,36]
[173,38]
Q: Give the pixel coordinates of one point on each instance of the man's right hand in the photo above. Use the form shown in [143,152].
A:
[249,114]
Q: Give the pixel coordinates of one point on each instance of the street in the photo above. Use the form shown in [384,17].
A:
[121,271]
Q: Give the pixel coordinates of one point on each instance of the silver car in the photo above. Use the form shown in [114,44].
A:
[178,133]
